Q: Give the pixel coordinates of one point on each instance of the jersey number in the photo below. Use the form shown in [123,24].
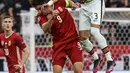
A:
[59,19]
[6,52]
[96,15]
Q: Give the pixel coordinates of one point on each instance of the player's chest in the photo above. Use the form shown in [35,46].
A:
[8,42]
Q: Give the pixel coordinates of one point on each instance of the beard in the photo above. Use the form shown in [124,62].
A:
[46,10]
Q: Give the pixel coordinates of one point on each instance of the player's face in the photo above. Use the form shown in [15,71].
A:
[46,10]
[7,24]
[38,8]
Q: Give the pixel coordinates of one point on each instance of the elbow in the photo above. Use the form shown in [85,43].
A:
[44,30]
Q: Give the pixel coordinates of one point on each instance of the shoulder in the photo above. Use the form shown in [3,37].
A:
[60,3]
[17,35]
[1,35]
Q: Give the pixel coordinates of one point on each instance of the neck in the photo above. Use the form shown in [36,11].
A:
[8,32]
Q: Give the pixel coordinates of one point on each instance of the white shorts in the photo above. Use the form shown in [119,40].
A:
[91,13]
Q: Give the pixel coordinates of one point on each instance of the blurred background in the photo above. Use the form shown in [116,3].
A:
[115,27]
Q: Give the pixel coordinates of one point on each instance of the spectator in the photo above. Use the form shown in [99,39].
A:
[25,5]
[107,3]
[117,3]
[128,4]
[14,9]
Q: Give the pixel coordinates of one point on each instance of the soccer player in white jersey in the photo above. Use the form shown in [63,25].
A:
[91,14]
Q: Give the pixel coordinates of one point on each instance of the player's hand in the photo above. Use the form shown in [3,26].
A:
[53,15]
[18,67]
[55,12]
[78,4]
[75,5]
[49,16]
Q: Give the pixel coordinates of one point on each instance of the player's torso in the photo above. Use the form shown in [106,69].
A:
[63,26]
[10,48]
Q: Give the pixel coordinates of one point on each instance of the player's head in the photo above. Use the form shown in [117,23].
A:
[38,5]
[7,23]
[34,3]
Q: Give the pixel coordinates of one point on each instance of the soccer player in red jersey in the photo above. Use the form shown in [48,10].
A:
[13,46]
[59,22]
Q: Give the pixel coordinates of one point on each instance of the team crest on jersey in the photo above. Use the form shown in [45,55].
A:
[2,43]
[9,43]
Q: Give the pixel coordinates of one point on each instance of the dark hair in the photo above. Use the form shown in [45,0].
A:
[34,3]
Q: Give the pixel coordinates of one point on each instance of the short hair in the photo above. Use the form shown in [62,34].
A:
[34,3]
[7,16]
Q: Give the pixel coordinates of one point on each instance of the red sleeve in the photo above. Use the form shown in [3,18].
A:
[20,42]
[60,5]
[41,20]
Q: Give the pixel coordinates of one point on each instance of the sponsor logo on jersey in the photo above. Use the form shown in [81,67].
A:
[6,43]
[9,43]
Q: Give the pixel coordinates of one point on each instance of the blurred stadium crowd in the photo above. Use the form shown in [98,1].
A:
[15,7]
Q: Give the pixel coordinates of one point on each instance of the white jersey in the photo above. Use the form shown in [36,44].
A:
[91,13]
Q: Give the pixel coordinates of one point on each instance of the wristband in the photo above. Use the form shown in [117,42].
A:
[67,3]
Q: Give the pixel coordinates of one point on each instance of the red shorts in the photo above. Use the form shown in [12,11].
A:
[13,70]
[73,50]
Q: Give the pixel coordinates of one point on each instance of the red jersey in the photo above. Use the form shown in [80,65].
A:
[12,46]
[63,28]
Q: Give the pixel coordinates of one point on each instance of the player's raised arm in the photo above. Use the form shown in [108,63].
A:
[47,25]
[72,4]
[69,3]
